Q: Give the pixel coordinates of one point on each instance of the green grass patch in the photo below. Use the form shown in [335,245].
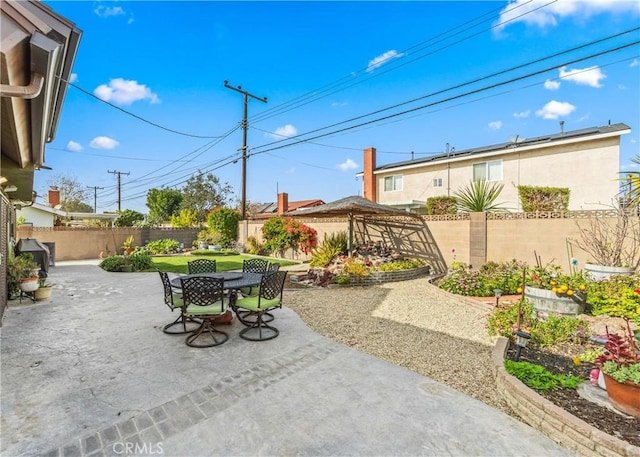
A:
[178,264]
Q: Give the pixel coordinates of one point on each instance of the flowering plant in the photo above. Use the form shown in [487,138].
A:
[618,296]
[551,277]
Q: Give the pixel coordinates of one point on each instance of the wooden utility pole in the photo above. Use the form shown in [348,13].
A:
[245,126]
[95,197]
[119,174]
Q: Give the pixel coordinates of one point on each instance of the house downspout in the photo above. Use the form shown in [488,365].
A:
[32,90]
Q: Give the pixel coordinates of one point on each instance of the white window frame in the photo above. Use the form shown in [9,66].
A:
[396,183]
[437,182]
[493,170]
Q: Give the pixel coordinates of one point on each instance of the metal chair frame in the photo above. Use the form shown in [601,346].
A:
[182,319]
[271,287]
[204,291]
[201,266]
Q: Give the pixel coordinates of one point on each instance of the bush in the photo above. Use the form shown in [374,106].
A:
[113,263]
[504,320]
[332,246]
[442,205]
[281,233]
[559,329]
[539,378]
[128,218]
[224,223]
[618,296]
[534,198]
[405,264]
[506,276]
[140,259]
[253,247]
[185,219]
[164,246]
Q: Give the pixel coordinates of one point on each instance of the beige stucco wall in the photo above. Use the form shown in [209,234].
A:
[588,168]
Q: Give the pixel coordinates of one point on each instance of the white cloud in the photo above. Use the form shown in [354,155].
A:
[555,109]
[73,78]
[74,146]
[285,131]
[125,92]
[334,104]
[522,114]
[495,125]
[622,87]
[542,14]
[108,11]
[634,63]
[383,59]
[103,142]
[551,85]
[586,77]
[347,165]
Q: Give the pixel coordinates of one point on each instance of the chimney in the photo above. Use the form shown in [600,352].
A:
[369,180]
[283,203]
[54,197]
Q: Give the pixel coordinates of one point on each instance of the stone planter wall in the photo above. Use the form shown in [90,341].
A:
[559,425]
[380,277]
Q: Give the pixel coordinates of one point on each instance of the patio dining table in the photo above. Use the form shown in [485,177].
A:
[233,280]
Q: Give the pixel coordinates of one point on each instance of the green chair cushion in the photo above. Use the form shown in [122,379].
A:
[214,309]
[251,303]
[177,300]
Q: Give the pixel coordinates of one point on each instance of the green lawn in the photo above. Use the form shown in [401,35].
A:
[178,264]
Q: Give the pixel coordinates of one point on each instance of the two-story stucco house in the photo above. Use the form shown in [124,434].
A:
[586,161]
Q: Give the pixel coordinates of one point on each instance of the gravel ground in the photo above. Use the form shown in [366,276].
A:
[411,324]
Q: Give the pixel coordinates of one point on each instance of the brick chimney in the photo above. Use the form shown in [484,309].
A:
[369,180]
[54,197]
[283,203]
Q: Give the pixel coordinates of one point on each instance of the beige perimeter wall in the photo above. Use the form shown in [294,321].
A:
[521,236]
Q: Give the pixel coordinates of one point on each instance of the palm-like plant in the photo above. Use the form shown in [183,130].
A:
[479,196]
[632,185]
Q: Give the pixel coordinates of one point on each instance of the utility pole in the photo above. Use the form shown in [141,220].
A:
[95,197]
[245,126]
[119,173]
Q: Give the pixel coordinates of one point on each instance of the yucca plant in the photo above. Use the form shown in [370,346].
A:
[332,246]
[479,196]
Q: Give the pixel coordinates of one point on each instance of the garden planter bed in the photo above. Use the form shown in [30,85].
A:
[380,277]
[559,415]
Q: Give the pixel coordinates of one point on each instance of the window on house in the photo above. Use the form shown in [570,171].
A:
[488,171]
[437,182]
[392,183]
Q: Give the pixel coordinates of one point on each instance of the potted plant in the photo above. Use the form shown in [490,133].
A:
[22,274]
[128,245]
[552,291]
[44,290]
[620,365]
[614,247]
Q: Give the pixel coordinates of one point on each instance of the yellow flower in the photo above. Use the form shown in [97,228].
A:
[569,292]
[555,290]
[553,282]
[577,360]
[519,290]
[582,287]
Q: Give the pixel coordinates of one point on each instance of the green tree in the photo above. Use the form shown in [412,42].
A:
[223,222]
[128,218]
[204,193]
[72,193]
[163,204]
[185,218]
[479,196]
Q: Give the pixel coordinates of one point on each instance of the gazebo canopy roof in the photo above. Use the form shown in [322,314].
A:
[349,206]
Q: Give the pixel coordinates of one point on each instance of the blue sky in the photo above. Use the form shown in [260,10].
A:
[344,71]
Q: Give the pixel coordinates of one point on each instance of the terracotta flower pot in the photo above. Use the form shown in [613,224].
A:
[29,284]
[625,396]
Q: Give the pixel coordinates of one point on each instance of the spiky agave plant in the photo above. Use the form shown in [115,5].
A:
[479,196]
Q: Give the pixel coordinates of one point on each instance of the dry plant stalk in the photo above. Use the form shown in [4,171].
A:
[614,244]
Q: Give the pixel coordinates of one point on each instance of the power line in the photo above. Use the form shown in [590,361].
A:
[455,97]
[95,197]
[140,118]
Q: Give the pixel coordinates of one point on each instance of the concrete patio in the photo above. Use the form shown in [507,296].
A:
[89,372]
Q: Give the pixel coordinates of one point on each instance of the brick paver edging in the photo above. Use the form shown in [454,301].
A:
[380,277]
[559,425]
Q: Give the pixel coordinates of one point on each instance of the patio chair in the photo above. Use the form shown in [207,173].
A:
[173,299]
[204,299]
[253,266]
[201,266]
[273,266]
[269,298]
